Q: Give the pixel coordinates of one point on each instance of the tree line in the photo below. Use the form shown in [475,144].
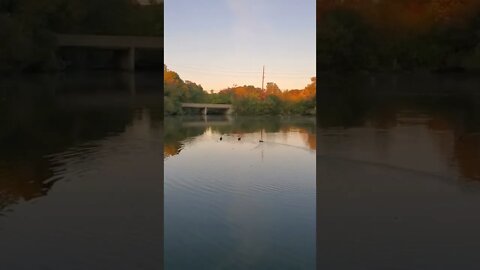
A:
[28,27]
[398,35]
[246,100]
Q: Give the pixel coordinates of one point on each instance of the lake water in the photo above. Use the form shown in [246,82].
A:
[398,172]
[85,159]
[81,175]
[233,202]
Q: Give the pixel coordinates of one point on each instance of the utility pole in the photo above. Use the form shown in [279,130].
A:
[263,76]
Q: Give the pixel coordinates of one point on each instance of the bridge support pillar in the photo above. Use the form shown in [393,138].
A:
[127,59]
[128,79]
[205,111]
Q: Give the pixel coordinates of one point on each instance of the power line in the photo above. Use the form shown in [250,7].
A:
[217,71]
[235,71]
[270,77]
[249,75]
[252,76]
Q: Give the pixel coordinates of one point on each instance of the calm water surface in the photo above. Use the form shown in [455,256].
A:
[397,182]
[398,172]
[240,204]
[81,172]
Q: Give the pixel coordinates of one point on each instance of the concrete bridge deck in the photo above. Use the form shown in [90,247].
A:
[207,105]
[125,44]
[228,108]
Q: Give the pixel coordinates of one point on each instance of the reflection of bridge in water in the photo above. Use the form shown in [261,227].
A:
[204,107]
[209,121]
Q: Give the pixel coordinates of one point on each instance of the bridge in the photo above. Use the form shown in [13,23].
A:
[226,108]
[125,45]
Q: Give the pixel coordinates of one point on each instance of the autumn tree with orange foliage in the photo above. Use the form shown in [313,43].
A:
[254,101]
[439,35]
[176,91]
[246,99]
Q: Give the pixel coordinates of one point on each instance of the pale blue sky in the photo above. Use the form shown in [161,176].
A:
[218,43]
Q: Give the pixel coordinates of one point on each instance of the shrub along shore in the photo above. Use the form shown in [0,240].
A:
[246,100]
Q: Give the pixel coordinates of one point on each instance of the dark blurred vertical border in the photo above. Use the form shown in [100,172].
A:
[319,2]
[162,211]
[162,181]
[162,251]
[162,165]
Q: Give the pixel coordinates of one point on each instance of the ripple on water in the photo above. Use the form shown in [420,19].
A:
[251,204]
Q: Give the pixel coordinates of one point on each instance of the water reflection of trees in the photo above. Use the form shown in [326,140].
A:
[40,117]
[175,133]
[23,180]
[446,105]
[178,130]
[24,168]
[463,119]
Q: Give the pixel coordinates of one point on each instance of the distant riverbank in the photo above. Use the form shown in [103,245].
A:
[246,99]
[27,29]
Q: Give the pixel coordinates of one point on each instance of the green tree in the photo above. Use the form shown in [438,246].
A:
[272,89]
[343,41]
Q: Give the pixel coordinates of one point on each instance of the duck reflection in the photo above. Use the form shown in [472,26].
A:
[179,130]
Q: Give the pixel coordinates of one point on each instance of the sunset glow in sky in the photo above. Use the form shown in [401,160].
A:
[219,43]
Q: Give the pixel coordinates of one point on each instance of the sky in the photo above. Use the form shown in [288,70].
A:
[221,43]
